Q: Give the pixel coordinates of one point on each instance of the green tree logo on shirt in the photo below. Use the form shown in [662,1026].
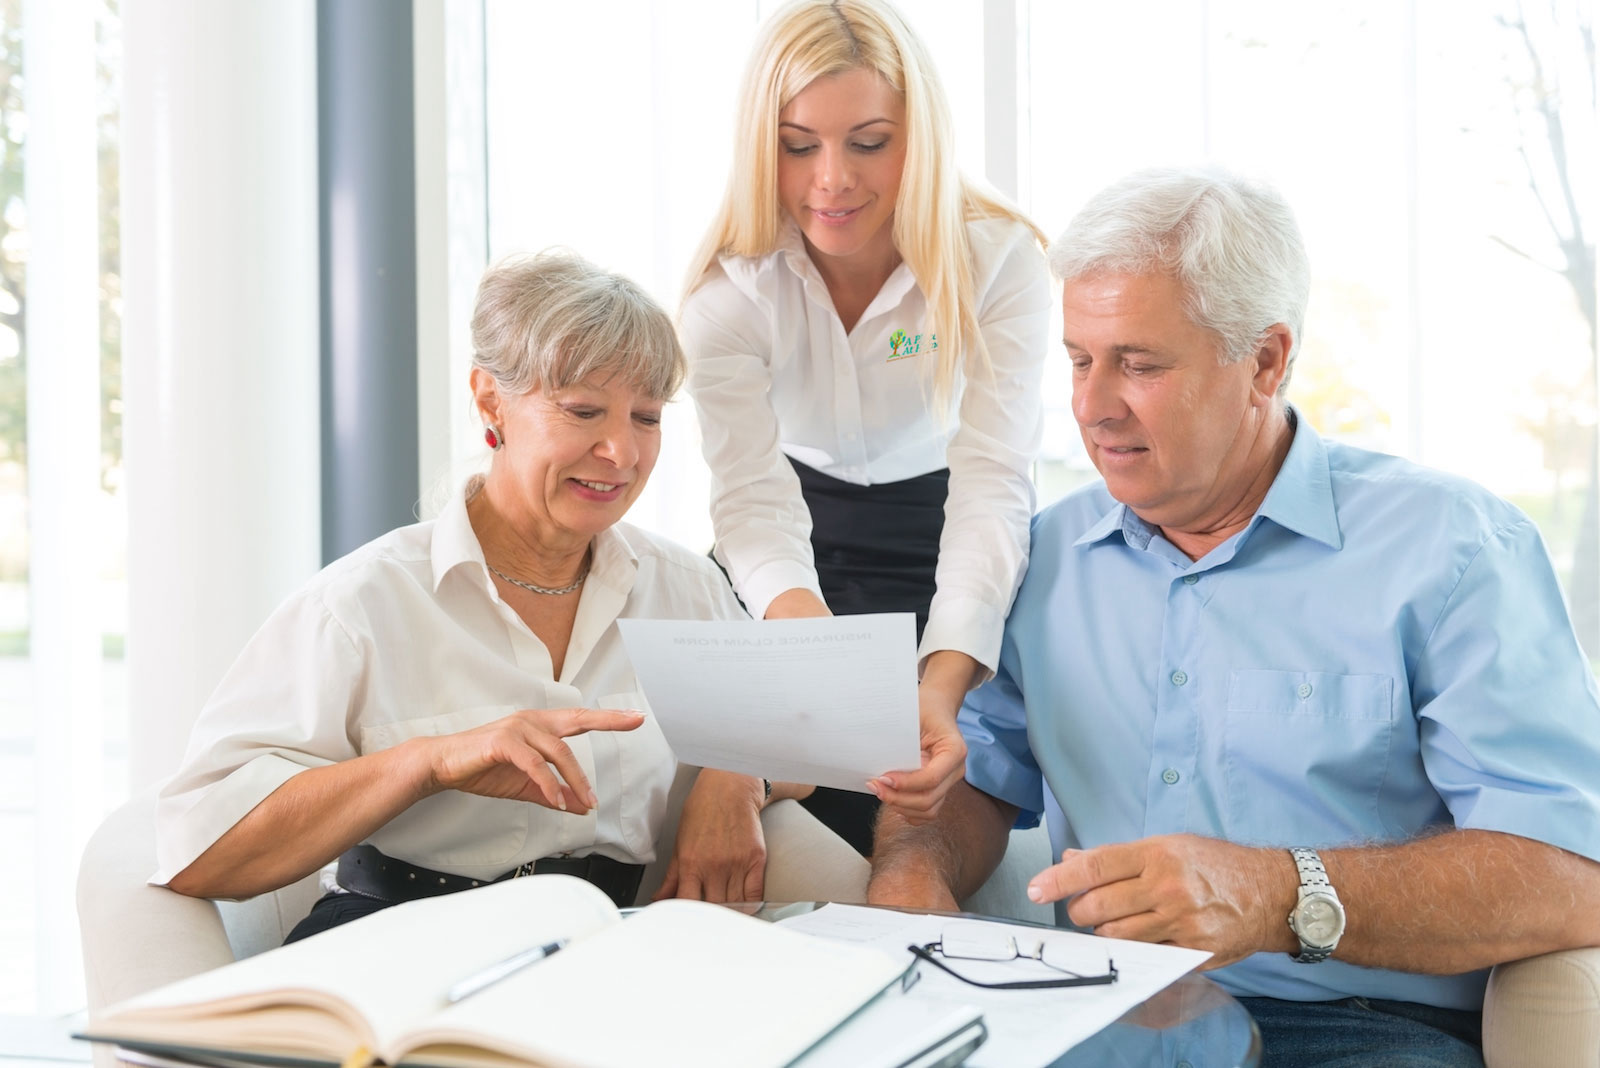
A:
[896,339]
[902,344]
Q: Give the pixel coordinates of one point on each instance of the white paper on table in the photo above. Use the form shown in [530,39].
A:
[1026,1027]
[831,701]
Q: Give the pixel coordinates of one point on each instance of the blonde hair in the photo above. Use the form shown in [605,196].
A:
[811,39]
[552,320]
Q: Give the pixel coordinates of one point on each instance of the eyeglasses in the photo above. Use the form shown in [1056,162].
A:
[983,943]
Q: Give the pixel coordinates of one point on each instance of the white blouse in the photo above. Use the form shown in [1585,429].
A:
[407,636]
[773,373]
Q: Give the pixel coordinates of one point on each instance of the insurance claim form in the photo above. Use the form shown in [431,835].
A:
[831,702]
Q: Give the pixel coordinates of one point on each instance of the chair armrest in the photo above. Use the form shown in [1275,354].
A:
[806,861]
[1544,1010]
[1005,894]
[260,923]
[137,937]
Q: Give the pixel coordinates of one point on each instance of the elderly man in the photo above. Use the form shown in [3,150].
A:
[1254,676]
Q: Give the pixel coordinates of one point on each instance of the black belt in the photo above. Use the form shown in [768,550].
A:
[365,870]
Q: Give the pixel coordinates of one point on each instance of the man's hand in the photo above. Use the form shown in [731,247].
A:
[721,853]
[917,795]
[518,757]
[1202,893]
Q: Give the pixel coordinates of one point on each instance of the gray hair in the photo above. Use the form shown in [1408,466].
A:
[552,320]
[1232,244]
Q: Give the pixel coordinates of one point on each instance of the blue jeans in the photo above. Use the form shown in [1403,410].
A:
[1365,1033]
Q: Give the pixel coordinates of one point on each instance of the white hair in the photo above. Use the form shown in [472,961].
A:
[1232,244]
[549,321]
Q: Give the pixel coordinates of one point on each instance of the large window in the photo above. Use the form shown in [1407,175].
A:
[1444,163]
[63,732]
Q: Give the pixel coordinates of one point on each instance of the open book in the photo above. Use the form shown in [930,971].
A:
[680,982]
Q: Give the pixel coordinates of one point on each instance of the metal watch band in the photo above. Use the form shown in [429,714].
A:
[1313,876]
[1313,880]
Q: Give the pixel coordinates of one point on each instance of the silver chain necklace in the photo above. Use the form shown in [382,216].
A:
[531,588]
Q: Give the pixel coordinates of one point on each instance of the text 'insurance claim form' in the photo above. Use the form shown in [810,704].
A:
[831,701]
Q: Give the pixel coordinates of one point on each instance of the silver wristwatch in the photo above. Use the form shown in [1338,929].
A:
[1318,917]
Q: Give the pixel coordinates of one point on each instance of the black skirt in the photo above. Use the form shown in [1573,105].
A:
[876,550]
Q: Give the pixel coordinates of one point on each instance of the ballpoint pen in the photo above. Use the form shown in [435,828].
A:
[500,969]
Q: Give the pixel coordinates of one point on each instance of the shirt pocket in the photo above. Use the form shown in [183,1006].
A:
[451,828]
[646,766]
[379,736]
[1305,754]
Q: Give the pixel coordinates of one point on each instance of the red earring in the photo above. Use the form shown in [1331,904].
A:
[491,436]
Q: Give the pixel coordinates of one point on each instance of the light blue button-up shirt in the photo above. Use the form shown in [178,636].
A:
[1382,650]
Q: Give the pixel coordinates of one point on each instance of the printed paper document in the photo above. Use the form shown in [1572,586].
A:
[832,702]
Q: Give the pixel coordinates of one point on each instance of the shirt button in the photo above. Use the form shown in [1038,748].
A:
[1179,678]
[1304,691]
[1183,1064]
[1170,776]
[1190,580]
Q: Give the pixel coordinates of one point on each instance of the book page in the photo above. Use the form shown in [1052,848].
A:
[375,976]
[678,983]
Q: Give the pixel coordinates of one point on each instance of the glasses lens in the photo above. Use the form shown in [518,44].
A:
[975,942]
[1066,955]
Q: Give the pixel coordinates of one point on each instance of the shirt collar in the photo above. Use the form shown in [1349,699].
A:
[1119,518]
[792,248]
[614,565]
[1300,498]
[454,542]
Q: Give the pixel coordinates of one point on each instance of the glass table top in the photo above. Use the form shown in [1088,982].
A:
[1193,1023]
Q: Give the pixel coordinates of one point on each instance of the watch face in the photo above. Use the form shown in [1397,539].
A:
[1319,920]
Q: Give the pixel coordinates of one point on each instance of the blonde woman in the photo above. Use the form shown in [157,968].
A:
[865,331]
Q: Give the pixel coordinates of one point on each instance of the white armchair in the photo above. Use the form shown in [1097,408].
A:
[1544,1011]
[137,937]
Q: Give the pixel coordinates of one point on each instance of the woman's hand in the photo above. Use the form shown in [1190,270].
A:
[918,794]
[721,854]
[519,757]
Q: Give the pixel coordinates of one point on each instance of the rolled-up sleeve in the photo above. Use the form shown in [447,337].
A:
[762,525]
[994,723]
[1509,717]
[286,704]
[983,551]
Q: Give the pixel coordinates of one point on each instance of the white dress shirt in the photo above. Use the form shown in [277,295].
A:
[407,636]
[774,372]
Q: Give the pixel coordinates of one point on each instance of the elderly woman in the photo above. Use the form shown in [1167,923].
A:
[451,704]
